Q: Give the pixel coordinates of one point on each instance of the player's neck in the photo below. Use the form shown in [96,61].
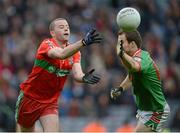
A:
[134,51]
[61,43]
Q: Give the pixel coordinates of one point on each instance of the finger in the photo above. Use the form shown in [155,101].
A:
[94,80]
[119,93]
[96,76]
[96,41]
[90,82]
[91,71]
[111,94]
[96,35]
[121,43]
[97,38]
[92,31]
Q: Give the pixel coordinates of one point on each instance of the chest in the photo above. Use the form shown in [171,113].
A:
[64,64]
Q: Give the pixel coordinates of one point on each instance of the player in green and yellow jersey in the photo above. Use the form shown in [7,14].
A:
[144,76]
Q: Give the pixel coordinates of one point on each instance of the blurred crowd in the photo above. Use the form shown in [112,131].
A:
[24,24]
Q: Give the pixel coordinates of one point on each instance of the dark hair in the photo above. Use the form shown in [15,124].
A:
[52,24]
[133,36]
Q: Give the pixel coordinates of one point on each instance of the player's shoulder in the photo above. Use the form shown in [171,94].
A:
[145,53]
[47,41]
[141,55]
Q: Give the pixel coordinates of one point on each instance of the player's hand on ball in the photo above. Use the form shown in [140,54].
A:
[91,78]
[116,92]
[91,37]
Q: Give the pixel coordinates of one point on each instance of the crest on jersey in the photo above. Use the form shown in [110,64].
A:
[51,69]
[136,58]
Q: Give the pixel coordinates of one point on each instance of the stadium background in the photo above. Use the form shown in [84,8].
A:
[24,24]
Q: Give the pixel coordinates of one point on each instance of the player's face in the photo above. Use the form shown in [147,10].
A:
[126,45]
[61,30]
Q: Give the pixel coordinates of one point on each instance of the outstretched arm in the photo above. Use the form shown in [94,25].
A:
[88,77]
[68,51]
[91,38]
[77,72]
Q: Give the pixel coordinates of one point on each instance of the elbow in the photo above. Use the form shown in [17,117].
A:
[58,53]
[134,68]
[62,56]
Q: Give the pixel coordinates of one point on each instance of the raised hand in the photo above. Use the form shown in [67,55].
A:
[121,52]
[91,37]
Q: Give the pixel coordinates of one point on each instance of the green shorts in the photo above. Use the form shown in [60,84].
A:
[155,120]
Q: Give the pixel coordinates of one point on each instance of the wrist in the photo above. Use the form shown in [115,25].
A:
[83,80]
[83,42]
[121,89]
[121,54]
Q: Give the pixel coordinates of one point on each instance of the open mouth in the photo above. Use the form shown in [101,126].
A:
[66,34]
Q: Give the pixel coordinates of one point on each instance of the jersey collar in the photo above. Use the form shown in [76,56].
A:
[137,52]
[56,42]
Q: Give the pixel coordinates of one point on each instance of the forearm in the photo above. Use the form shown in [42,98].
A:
[126,83]
[71,49]
[129,62]
[68,51]
[116,91]
[79,77]
[77,72]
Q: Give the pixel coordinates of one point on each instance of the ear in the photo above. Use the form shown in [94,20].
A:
[52,33]
[133,44]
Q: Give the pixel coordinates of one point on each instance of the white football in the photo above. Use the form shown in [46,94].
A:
[128,19]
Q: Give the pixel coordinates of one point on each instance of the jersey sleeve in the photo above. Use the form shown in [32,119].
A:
[138,60]
[144,61]
[77,57]
[45,46]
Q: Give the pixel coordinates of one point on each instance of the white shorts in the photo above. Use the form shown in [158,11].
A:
[155,120]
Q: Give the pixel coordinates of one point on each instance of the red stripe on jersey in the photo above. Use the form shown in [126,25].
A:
[137,54]
[154,117]
[157,71]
